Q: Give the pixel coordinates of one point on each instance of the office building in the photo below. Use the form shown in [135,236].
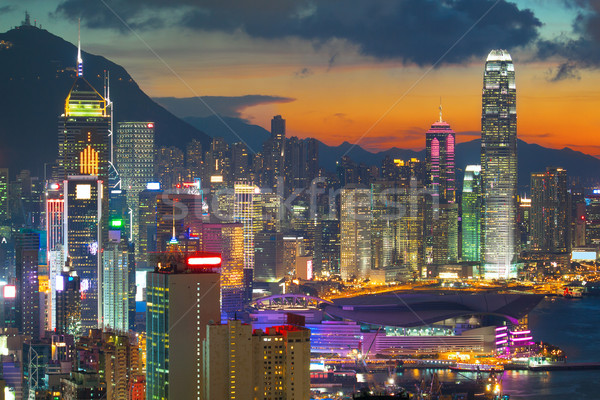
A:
[134,158]
[147,224]
[471,214]
[4,206]
[499,166]
[27,247]
[241,364]
[440,140]
[550,212]
[116,290]
[326,253]
[355,233]
[68,302]
[268,256]
[169,167]
[83,234]
[183,295]
[228,240]
[246,210]
[194,160]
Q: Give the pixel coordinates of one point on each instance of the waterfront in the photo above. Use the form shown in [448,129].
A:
[571,324]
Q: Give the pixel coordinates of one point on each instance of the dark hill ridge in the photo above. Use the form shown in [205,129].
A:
[532,157]
[36,74]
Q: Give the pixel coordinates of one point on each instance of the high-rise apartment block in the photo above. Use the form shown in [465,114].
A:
[243,364]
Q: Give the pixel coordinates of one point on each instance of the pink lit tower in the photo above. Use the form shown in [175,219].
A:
[440,139]
[442,244]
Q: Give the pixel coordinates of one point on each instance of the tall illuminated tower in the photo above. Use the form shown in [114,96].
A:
[471,214]
[440,141]
[355,232]
[134,157]
[246,210]
[499,166]
[84,138]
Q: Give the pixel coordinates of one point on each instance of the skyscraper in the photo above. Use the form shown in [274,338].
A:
[115,281]
[355,233]
[27,247]
[440,140]
[183,297]
[471,214]
[499,166]
[4,207]
[68,301]
[228,240]
[550,211]
[134,158]
[83,234]
[246,210]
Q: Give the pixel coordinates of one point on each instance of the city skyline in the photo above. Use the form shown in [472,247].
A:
[317,83]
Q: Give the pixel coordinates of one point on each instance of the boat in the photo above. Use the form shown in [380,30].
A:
[544,361]
[333,378]
[477,367]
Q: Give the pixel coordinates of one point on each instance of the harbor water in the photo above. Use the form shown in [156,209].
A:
[571,324]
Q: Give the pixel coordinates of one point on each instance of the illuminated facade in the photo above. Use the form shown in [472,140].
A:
[440,140]
[276,367]
[355,233]
[550,211]
[246,210]
[134,158]
[4,206]
[471,214]
[68,302]
[181,301]
[27,247]
[499,166]
[55,207]
[228,240]
[83,233]
[115,283]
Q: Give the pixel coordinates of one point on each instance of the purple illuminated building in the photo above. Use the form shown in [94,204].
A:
[440,140]
[442,231]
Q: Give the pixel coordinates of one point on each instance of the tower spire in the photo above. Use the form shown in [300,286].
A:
[441,109]
[79,59]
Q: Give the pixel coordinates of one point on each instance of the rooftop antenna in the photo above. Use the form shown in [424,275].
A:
[79,60]
[441,109]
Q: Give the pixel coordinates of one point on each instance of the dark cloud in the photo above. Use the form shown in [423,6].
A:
[303,73]
[566,70]
[414,31]
[6,9]
[582,48]
[222,105]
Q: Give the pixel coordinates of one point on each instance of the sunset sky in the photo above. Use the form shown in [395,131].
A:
[365,71]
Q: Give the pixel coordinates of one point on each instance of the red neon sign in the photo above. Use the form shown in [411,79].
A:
[204,261]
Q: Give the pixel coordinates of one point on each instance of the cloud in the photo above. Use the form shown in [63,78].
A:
[413,31]
[581,48]
[303,73]
[566,70]
[6,9]
[222,105]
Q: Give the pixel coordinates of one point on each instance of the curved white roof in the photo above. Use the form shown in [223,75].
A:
[499,55]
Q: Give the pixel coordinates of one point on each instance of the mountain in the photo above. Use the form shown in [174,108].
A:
[531,157]
[36,74]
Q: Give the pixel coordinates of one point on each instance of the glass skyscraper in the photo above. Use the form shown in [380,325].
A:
[499,166]
[471,214]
